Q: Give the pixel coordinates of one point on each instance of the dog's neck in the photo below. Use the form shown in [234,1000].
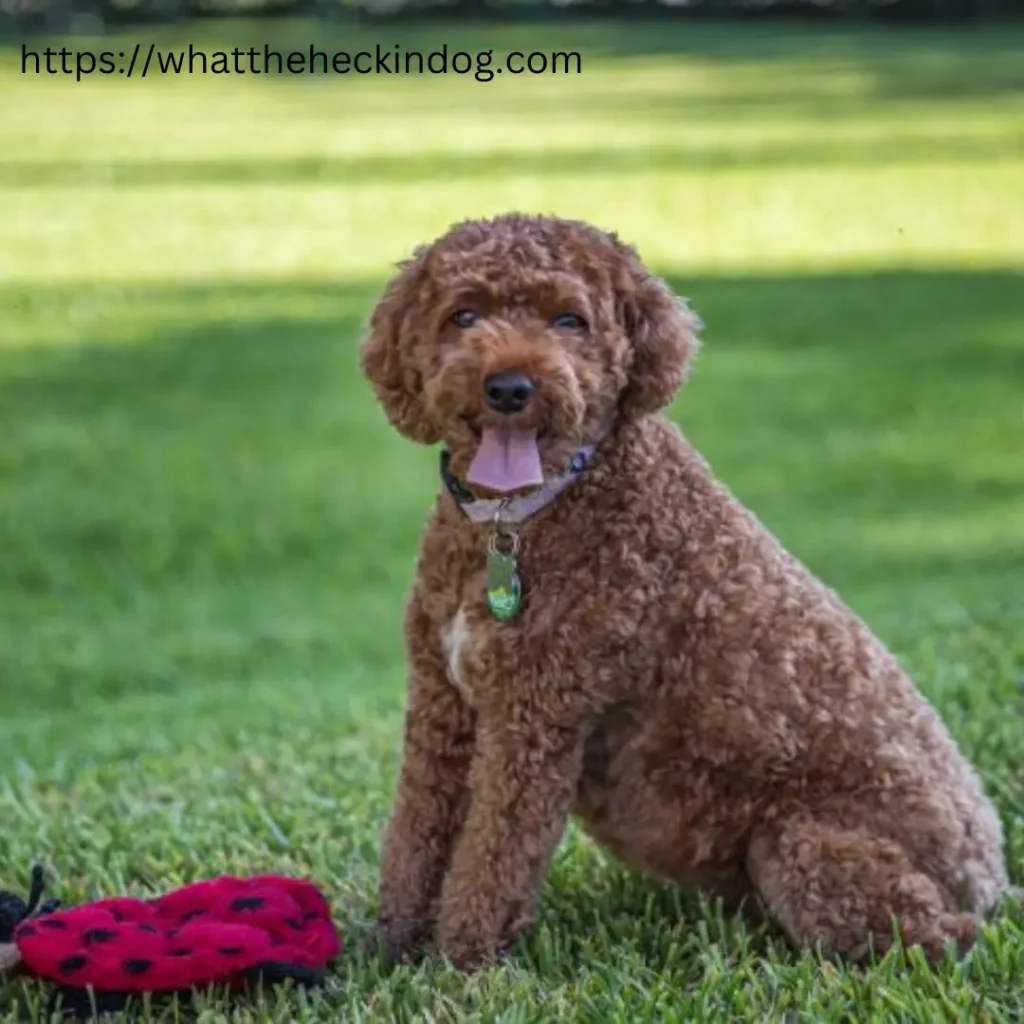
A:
[513,511]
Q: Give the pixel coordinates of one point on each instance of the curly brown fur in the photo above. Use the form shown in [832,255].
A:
[707,709]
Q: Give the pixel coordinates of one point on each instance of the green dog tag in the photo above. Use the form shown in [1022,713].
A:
[504,591]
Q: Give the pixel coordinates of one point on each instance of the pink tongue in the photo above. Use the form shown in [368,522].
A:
[506,460]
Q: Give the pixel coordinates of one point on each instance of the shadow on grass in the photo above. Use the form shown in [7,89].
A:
[820,366]
[593,903]
[896,63]
[216,445]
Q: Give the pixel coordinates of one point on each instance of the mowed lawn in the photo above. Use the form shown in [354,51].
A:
[207,529]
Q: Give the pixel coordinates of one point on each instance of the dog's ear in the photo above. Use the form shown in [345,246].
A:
[663,332]
[390,351]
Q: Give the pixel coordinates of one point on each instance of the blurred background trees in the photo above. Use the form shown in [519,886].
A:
[88,16]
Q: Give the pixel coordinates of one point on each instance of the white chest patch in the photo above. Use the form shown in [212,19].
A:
[453,642]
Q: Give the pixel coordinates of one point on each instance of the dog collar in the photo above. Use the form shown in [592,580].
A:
[512,511]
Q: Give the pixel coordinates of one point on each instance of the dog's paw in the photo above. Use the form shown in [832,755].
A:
[400,941]
[469,956]
[471,949]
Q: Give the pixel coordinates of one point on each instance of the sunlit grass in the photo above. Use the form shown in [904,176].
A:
[207,530]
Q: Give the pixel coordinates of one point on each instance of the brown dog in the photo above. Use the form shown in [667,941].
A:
[597,627]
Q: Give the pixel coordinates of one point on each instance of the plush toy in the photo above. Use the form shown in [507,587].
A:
[225,931]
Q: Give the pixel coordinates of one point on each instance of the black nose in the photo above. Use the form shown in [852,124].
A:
[508,392]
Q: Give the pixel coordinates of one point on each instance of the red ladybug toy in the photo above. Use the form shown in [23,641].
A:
[223,931]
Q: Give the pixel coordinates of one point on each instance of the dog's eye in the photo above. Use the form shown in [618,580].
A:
[569,322]
[465,317]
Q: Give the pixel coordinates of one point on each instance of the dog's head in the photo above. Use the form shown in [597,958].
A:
[520,339]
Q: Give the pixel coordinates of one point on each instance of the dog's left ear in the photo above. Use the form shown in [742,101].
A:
[663,332]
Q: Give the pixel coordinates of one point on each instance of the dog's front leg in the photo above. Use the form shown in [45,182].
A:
[522,782]
[430,802]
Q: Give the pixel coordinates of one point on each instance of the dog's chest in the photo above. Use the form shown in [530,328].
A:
[457,639]
[478,653]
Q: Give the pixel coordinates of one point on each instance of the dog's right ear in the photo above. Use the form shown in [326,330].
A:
[389,357]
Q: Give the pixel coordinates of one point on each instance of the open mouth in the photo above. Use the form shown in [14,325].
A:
[507,458]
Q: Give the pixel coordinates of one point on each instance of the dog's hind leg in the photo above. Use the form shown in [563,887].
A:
[848,893]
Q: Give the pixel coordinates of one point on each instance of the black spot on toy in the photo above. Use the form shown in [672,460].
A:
[70,964]
[247,903]
[99,954]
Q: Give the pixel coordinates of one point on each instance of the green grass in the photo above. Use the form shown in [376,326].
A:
[207,529]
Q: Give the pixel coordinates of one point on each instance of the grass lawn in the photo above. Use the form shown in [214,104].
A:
[207,529]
